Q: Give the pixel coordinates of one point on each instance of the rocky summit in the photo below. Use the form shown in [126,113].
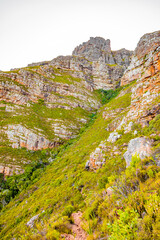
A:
[80,145]
[96,63]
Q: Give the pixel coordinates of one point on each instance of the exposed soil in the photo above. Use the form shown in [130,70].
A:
[77,232]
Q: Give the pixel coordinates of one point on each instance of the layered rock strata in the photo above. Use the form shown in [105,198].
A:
[144,73]
[20,136]
[55,89]
[96,63]
[145,69]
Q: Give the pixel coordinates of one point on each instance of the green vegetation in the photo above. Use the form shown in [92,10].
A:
[16,183]
[7,79]
[38,116]
[55,191]
[58,75]
[107,95]
[112,65]
[126,226]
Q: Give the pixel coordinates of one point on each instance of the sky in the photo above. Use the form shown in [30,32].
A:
[39,30]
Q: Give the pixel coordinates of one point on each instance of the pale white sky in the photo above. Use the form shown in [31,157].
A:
[37,30]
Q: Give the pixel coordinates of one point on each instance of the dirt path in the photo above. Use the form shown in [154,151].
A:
[77,232]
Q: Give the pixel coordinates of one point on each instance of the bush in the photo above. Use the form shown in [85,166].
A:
[16,183]
[68,210]
[150,226]
[41,101]
[102,182]
[107,95]
[91,211]
[52,234]
[124,228]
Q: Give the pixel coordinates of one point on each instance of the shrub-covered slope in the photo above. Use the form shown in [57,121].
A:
[109,176]
[114,201]
[41,107]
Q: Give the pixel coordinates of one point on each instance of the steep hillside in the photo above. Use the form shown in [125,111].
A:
[104,184]
[46,104]
[41,107]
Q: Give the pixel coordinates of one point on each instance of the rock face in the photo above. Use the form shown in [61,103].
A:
[97,158]
[145,61]
[23,137]
[140,146]
[8,171]
[145,69]
[93,49]
[148,42]
[96,63]
[55,89]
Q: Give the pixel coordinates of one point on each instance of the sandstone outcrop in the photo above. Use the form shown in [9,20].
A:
[10,170]
[63,131]
[145,69]
[140,146]
[20,136]
[96,63]
[30,223]
[113,137]
[97,158]
[28,84]
[105,151]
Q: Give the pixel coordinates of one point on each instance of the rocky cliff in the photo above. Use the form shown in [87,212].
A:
[41,107]
[61,86]
[96,63]
[144,73]
[57,89]
[145,70]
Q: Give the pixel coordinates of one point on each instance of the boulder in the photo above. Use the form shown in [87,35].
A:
[113,137]
[109,191]
[97,157]
[140,146]
[30,223]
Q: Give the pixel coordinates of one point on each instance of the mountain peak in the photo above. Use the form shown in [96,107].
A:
[93,48]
